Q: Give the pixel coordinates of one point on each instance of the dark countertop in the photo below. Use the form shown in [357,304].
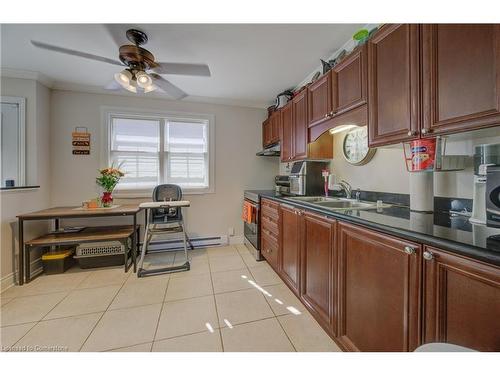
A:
[453,233]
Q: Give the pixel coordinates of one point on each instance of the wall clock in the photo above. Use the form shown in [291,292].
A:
[355,147]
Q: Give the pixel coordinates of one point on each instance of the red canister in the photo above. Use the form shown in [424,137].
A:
[423,154]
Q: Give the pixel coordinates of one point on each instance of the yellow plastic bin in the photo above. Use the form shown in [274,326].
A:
[57,261]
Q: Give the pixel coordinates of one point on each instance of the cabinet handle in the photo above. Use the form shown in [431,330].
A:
[326,115]
[410,250]
[412,133]
[425,131]
[428,255]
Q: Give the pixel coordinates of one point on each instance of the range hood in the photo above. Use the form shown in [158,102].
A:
[272,150]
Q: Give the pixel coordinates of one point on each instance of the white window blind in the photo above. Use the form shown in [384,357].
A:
[153,151]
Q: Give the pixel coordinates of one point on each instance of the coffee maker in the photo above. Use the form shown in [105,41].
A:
[486,157]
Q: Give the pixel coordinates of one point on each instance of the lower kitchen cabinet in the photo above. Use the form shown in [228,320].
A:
[318,285]
[379,291]
[462,301]
[269,238]
[290,221]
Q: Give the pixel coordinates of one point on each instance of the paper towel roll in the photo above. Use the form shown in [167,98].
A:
[422,191]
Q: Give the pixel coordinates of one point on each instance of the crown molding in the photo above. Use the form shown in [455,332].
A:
[27,74]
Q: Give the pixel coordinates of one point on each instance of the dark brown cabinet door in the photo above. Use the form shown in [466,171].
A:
[290,246]
[270,236]
[300,140]
[379,297]
[286,132]
[393,85]
[275,126]
[318,269]
[349,81]
[462,301]
[461,77]
[320,100]
[266,132]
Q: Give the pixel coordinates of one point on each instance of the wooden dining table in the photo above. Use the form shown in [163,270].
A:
[58,213]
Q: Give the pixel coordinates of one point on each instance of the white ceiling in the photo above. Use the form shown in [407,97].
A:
[249,63]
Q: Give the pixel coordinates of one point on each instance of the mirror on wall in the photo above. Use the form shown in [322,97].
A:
[12,142]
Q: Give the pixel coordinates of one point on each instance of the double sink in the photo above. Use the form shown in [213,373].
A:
[336,204]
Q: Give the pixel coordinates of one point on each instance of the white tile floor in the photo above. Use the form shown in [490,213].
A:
[226,302]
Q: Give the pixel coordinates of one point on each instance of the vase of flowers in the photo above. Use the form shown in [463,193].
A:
[108,179]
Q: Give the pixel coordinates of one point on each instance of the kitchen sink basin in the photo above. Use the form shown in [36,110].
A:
[336,204]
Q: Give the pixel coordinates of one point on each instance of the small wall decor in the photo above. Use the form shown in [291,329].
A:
[80,141]
[355,147]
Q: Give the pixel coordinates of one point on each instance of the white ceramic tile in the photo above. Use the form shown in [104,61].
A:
[261,336]
[250,260]
[241,248]
[242,306]
[105,277]
[283,301]
[198,342]
[306,334]
[226,263]
[61,335]
[187,316]
[11,334]
[135,348]
[46,284]
[144,291]
[221,251]
[124,327]
[4,301]
[159,260]
[229,281]
[29,309]
[84,301]
[264,275]
[189,287]
[198,266]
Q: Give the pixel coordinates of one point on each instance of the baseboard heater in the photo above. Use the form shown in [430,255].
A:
[177,244]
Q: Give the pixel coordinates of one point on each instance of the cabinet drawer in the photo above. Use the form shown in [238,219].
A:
[270,249]
[270,211]
[272,236]
[271,224]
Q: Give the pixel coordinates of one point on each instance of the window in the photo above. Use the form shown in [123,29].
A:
[160,149]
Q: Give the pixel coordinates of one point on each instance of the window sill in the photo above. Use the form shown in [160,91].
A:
[131,194]
[19,188]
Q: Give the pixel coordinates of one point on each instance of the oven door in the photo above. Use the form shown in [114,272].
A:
[252,230]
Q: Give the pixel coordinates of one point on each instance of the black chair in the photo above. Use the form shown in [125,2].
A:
[164,218]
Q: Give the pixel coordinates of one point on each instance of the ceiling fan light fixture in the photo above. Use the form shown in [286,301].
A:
[143,79]
[124,77]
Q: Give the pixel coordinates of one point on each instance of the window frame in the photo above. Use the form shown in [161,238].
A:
[108,113]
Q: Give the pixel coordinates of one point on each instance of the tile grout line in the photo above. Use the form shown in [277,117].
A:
[57,304]
[161,309]
[100,318]
[215,303]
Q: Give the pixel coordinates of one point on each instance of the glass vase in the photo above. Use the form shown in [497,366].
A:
[107,199]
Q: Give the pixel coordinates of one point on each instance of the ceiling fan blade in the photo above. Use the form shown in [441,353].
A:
[182,69]
[168,87]
[67,51]
[113,86]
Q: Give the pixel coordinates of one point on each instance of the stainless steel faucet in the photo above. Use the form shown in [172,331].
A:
[358,194]
[347,188]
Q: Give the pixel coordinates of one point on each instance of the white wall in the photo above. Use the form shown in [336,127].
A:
[13,203]
[237,139]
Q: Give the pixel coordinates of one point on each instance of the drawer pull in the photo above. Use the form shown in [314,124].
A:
[428,255]
[410,250]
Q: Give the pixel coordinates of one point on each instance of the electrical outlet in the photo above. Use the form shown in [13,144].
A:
[230,231]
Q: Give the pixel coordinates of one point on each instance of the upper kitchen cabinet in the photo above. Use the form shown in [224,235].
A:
[393,84]
[320,100]
[271,129]
[287,132]
[349,81]
[300,139]
[266,132]
[462,301]
[379,291]
[460,77]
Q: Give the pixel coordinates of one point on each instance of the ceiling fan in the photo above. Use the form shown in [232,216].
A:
[142,72]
